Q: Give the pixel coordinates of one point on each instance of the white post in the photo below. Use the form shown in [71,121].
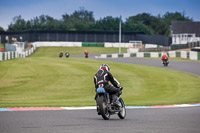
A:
[0,43]
[120,34]
[1,56]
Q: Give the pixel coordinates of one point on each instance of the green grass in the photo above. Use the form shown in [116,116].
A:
[44,80]
[1,45]
[54,51]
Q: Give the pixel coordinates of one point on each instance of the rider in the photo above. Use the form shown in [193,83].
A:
[86,53]
[164,57]
[61,54]
[102,78]
[67,54]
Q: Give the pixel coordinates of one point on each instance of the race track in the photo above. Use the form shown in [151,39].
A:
[158,120]
[172,120]
[192,67]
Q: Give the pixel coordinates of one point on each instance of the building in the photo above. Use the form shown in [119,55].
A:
[184,32]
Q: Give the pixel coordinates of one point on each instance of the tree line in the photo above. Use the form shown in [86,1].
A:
[83,20]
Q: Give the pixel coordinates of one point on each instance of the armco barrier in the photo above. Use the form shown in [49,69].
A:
[8,54]
[123,45]
[121,55]
[92,44]
[183,54]
[114,55]
[193,55]
[5,55]
[15,54]
[153,54]
[57,44]
[1,56]
[172,54]
[133,54]
[147,54]
[198,55]
[126,55]
[140,54]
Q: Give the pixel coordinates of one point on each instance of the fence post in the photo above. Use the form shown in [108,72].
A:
[5,56]
[1,56]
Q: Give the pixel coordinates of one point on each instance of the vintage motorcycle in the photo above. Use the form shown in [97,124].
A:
[165,63]
[105,108]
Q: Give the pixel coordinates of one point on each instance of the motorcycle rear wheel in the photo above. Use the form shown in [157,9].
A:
[103,108]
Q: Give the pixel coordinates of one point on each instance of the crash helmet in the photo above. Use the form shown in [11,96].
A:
[105,67]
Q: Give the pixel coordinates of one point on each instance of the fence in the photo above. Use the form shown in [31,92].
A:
[159,49]
[84,36]
[82,44]
[193,44]
[183,46]
[14,54]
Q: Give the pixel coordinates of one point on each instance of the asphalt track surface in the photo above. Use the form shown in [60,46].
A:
[192,67]
[159,120]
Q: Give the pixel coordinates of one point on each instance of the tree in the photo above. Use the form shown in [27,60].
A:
[140,23]
[84,20]
[169,17]
[17,24]
[1,28]
[107,23]
[79,20]
[137,27]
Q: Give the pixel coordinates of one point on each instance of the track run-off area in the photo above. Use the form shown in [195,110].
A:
[184,118]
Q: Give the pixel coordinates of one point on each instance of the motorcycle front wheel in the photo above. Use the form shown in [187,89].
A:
[122,113]
[103,108]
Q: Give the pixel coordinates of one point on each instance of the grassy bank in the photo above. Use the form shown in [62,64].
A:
[1,45]
[45,80]
[54,51]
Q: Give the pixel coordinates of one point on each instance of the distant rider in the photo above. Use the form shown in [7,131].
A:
[164,57]
[86,53]
[102,78]
[61,54]
[67,54]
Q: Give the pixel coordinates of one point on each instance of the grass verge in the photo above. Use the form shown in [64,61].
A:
[43,80]
[54,51]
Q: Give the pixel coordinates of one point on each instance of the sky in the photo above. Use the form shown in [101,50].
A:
[29,9]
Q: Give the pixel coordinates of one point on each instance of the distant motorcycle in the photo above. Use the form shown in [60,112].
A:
[105,108]
[60,55]
[165,63]
[67,54]
[86,54]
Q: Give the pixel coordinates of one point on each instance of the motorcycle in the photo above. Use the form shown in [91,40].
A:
[67,55]
[104,106]
[165,63]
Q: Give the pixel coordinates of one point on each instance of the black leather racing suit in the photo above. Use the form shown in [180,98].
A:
[102,78]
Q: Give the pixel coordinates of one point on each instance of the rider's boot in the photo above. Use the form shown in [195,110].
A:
[98,110]
[115,101]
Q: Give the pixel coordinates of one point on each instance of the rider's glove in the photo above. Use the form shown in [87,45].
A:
[121,87]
